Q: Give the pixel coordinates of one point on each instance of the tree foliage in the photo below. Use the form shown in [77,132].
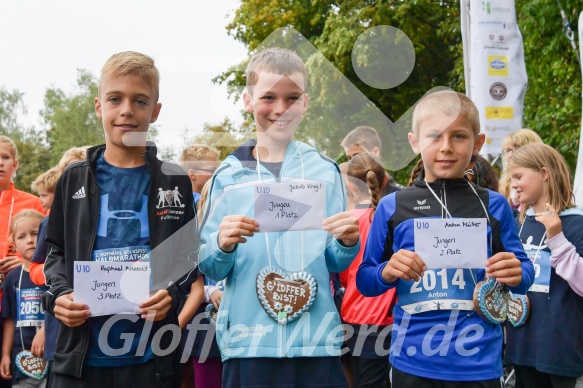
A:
[70,117]
[553,98]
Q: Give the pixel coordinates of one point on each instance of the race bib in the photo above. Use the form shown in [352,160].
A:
[30,310]
[542,270]
[439,289]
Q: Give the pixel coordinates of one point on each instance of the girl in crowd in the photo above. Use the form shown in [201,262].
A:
[365,176]
[546,350]
[511,143]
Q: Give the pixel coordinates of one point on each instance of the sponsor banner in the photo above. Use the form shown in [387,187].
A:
[497,74]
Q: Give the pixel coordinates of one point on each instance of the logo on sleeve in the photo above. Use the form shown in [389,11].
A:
[80,193]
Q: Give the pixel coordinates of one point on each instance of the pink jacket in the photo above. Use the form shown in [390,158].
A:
[566,262]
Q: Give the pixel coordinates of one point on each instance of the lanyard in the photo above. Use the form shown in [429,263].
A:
[20,328]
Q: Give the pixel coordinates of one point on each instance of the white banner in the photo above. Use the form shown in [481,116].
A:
[497,74]
[578,184]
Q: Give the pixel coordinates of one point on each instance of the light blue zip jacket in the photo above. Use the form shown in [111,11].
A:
[244,329]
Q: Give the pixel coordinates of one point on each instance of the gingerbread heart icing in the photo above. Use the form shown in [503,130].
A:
[283,295]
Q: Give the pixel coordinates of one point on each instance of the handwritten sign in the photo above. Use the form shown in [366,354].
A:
[290,206]
[451,242]
[111,287]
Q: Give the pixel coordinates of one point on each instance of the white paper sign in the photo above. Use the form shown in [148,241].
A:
[287,206]
[451,242]
[109,287]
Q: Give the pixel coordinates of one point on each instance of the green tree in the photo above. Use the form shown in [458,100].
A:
[223,136]
[33,154]
[552,106]
[553,98]
[71,118]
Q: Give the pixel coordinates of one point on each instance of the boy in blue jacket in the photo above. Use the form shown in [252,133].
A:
[438,339]
[277,324]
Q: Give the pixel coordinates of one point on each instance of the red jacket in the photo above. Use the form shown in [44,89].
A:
[13,201]
[356,308]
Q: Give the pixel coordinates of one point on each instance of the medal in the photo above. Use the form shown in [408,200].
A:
[518,309]
[490,301]
[31,366]
[285,296]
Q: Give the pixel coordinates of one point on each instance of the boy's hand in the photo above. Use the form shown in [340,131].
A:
[72,314]
[159,303]
[404,264]
[38,343]
[551,220]
[216,298]
[9,263]
[232,230]
[344,227]
[505,268]
[5,367]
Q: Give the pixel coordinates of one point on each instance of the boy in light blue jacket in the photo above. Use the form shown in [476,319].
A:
[275,225]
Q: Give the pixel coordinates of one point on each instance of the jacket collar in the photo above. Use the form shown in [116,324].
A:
[439,184]
[150,154]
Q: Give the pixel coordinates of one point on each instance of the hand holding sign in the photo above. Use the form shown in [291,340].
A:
[505,268]
[404,265]
[232,230]
[344,227]
[158,304]
[71,313]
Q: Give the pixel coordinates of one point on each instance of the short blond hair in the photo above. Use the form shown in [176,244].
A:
[366,137]
[74,154]
[275,60]
[537,156]
[46,181]
[521,138]
[23,215]
[132,63]
[192,155]
[449,103]
[11,145]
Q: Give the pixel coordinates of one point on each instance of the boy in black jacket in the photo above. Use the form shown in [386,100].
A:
[118,204]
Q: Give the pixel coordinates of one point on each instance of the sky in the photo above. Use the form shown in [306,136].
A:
[44,43]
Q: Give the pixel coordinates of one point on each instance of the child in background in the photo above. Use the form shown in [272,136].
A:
[511,143]
[200,161]
[369,368]
[205,360]
[12,201]
[232,248]
[547,350]
[47,182]
[446,131]
[22,326]
[44,185]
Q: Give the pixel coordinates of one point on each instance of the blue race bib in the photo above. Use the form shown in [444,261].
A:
[542,270]
[439,289]
[30,311]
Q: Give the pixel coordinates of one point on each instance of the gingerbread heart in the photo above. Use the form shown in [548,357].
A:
[490,301]
[31,366]
[285,296]
[518,309]
[211,313]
